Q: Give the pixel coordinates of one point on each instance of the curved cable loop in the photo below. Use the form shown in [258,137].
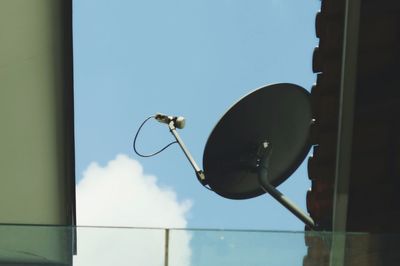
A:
[152,154]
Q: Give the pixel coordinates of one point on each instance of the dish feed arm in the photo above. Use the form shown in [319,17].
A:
[199,173]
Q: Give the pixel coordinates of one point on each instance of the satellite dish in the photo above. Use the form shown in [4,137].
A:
[255,146]
[279,115]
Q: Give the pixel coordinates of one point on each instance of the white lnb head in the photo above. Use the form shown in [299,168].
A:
[179,121]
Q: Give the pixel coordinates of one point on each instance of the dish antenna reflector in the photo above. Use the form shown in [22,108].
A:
[259,142]
[278,116]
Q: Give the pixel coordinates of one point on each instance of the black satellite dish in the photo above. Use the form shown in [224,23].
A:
[278,114]
[255,146]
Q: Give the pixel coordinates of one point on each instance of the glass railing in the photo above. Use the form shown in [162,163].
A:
[55,245]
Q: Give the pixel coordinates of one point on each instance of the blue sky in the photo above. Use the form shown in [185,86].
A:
[190,58]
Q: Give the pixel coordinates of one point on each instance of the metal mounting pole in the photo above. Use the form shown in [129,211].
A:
[264,155]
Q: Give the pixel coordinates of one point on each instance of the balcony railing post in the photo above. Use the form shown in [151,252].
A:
[166,247]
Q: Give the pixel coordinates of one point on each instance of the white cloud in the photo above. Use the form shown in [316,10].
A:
[120,195]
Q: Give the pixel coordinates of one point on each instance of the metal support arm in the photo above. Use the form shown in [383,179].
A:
[264,153]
